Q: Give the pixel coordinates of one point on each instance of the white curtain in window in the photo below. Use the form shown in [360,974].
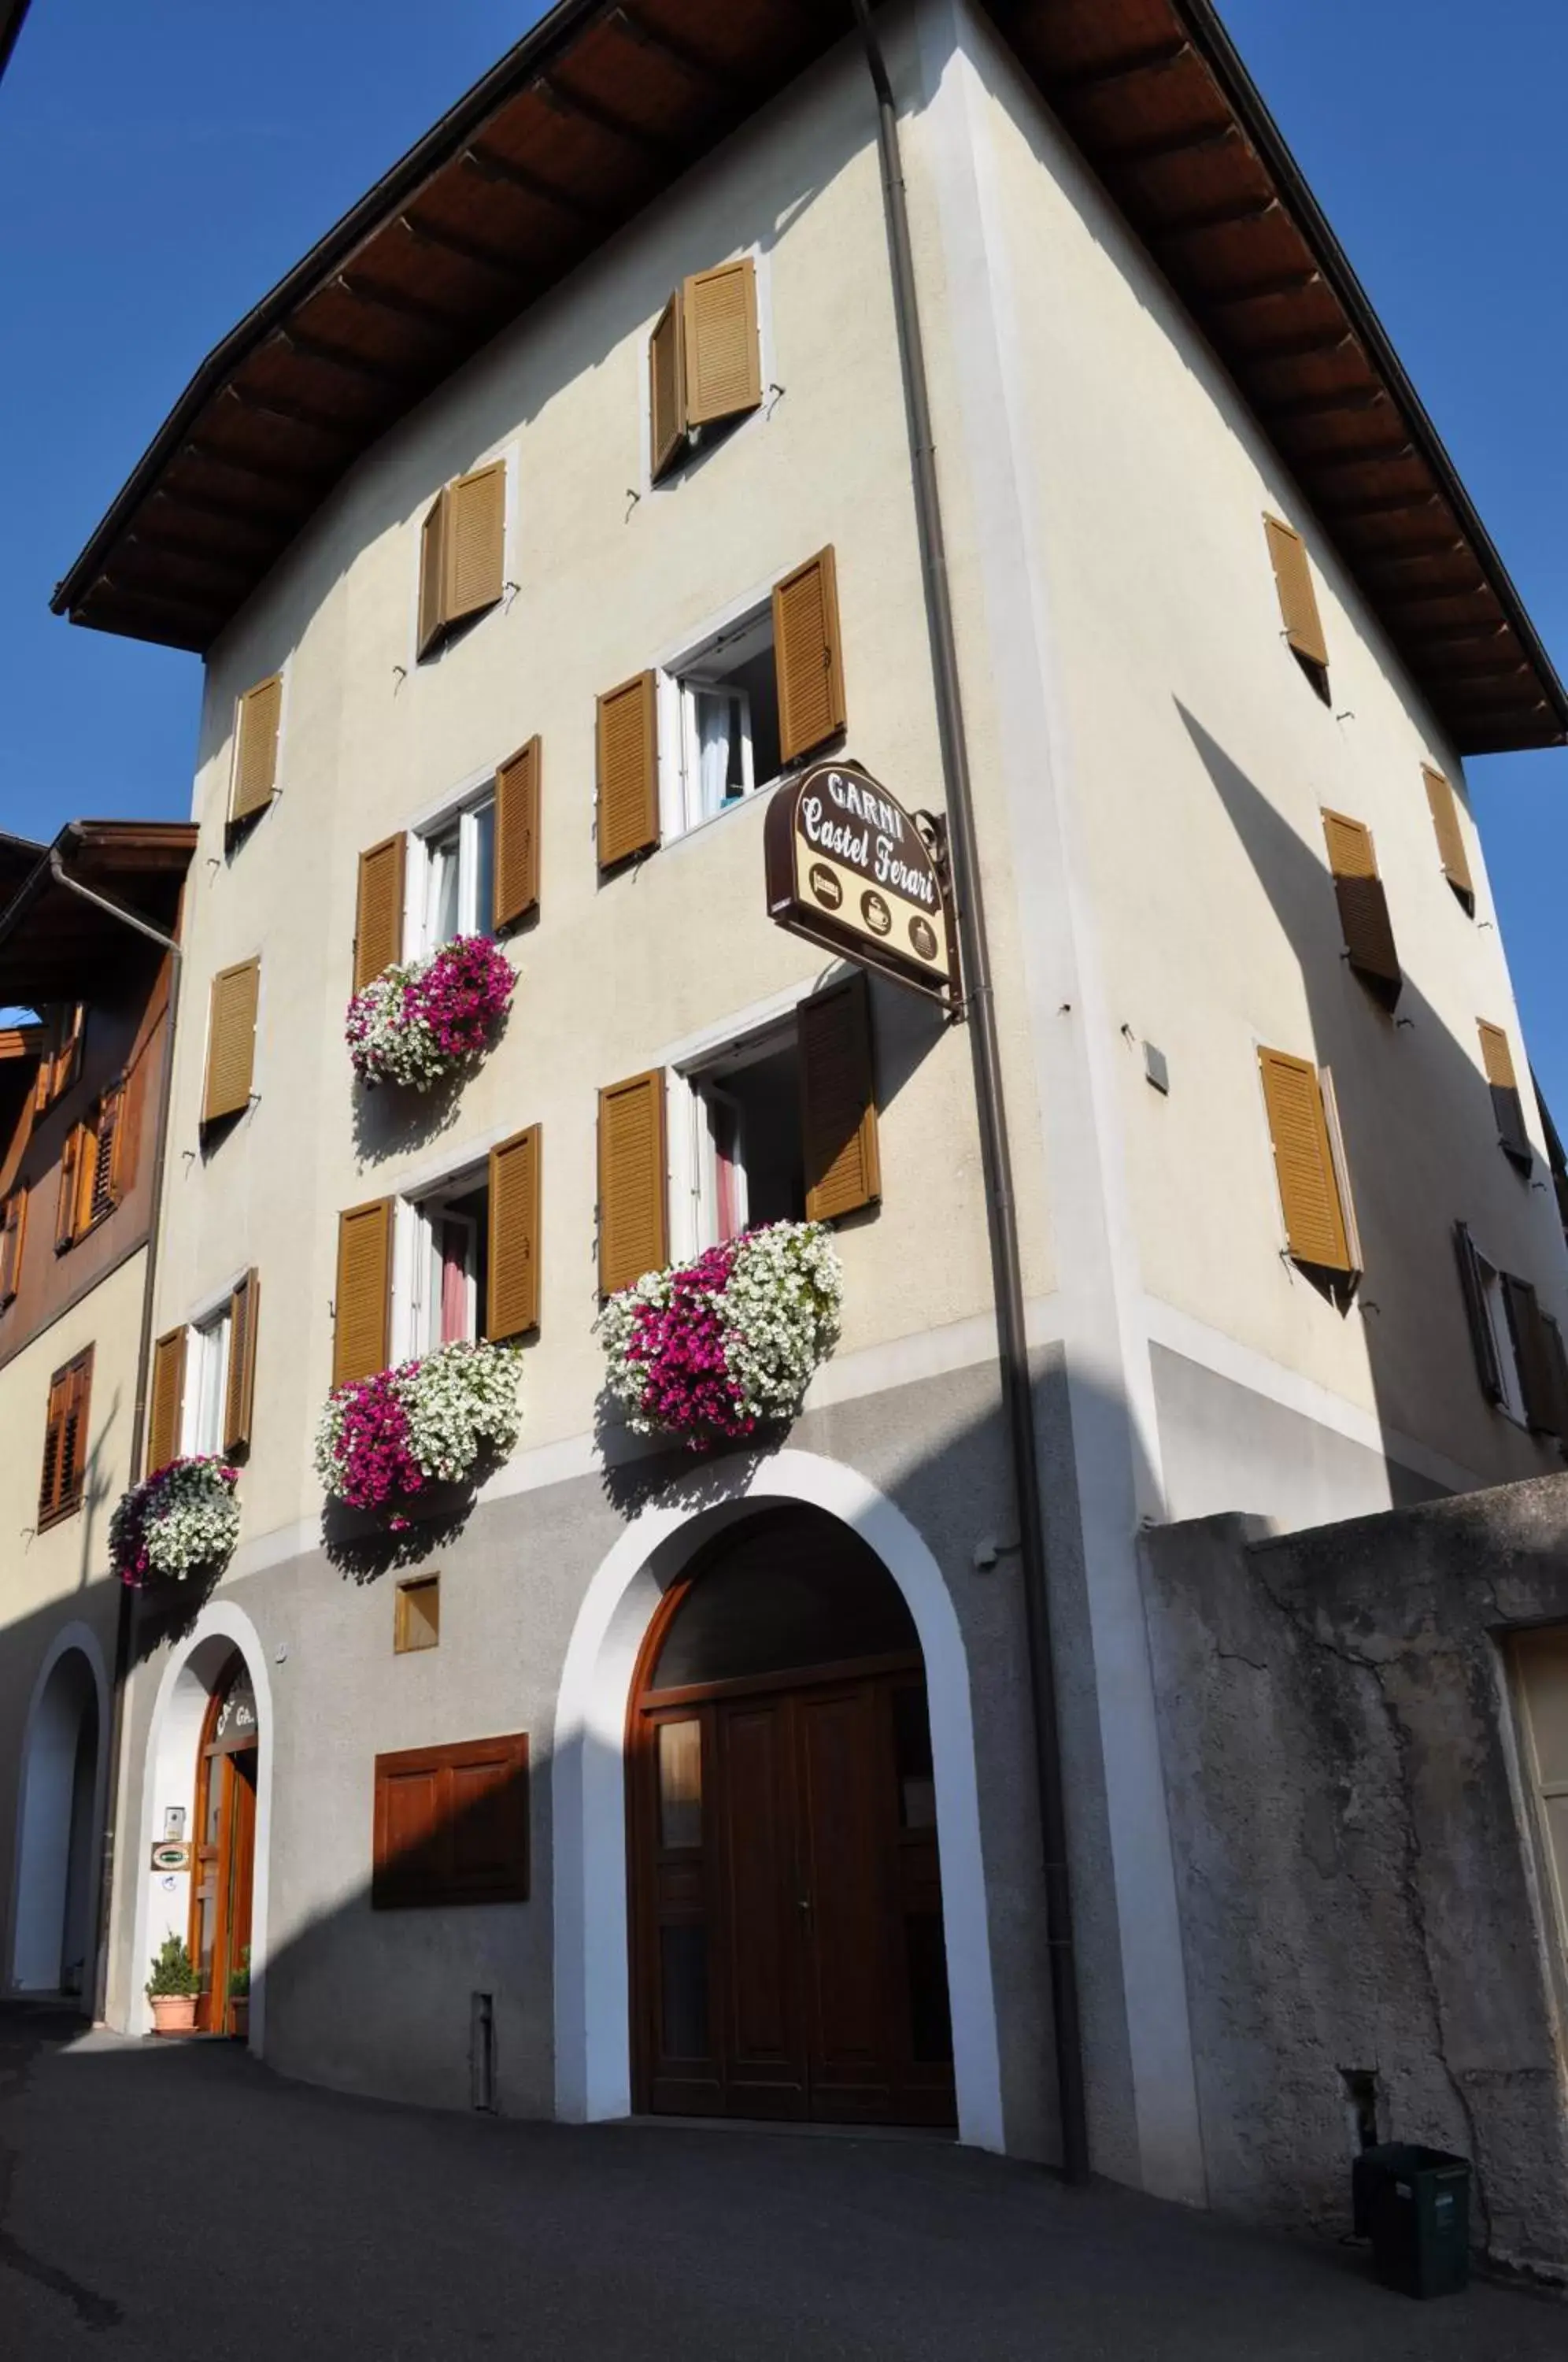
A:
[715,726]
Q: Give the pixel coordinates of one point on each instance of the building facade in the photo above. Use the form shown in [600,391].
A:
[522,643]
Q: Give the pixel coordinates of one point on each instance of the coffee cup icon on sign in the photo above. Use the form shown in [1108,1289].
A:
[876,913]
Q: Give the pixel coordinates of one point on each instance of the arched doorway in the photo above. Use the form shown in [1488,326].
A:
[57,1857]
[224,1850]
[787,1957]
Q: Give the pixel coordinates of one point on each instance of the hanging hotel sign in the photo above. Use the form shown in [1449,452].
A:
[849,869]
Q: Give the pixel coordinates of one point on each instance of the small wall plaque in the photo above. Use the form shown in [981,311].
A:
[171,1853]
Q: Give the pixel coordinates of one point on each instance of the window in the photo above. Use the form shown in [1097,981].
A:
[462,553]
[65,1030]
[91,1170]
[1444,808]
[416,1619]
[206,1384]
[1541,1669]
[451,1825]
[742,1149]
[231,1042]
[65,1441]
[455,890]
[256,719]
[1310,1164]
[704,360]
[449,1265]
[1520,1357]
[1302,624]
[725,733]
[13,1235]
[204,1380]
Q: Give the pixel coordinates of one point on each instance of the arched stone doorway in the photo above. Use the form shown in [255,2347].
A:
[60,1815]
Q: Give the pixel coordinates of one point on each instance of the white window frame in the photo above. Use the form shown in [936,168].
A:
[413,1259]
[211,1314]
[678,683]
[463,807]
[693,1162]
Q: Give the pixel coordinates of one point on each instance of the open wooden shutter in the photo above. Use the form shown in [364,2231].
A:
[723,360]
[433,573]
[361,1339]
[65,1439]
[1297,599]
[1538,1377]
[633,1236]
[240,1389]
[13,1236]
[50,1489]
[1363,906]
[517,888]
[475,541]
[807,657]
[512,1304]
[667,389]
[103,1195]
[1557,1365]
[73,1149]
[377,921]
[1315,1226]
[628,770]
[167,1400]
[1498,1060]
[231,1040]
[255,747]
[1450,836]
[1484,1344]
[838,1102]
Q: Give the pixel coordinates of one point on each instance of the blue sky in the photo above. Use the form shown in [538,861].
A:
[162,165]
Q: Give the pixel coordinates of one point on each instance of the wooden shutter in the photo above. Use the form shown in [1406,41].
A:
[67,1205]
[1297,599]
[807,657]
[451,1825]
[255,747]
[240,1389]
[838,1102]
[1363,906]
[628,770]
[512,1298]
[54,1443]
[361,1341]
[231,1040]
[1450,836]
[102,1195]
[167,1400]
[1538,1377]
[65,1440]
[1498,1061]
[666,387]
[1314,1219]
[377,921]
[1557,1365]
[722,357]
[476,539]
[433,574]
[634,1235]
[517,888]
[1484,1344]
[13,1236]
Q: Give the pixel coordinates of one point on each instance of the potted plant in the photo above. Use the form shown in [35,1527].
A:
[182,1518]
[240,1997]
[383,1439]
[173,1988]
[415,1024]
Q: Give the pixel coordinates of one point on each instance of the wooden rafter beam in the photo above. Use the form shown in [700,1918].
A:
[1330,401]
[1224,212]
[231,512]
[678,53]
[382,298]
[483,256]
[308,480]
[1194,139]
[1157,57]
[1258,291]
[292,413]
[350,364]
[609,120]
[503,173]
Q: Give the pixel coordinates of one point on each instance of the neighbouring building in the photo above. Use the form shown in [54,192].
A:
[555,508]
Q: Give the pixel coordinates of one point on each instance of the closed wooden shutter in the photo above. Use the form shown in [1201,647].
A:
[377,922]
[231,1040]
[1484,1344]
[239,1390]
[1538,1377]
[667,389]
[451,1825]
[807,657]
[77,1145]
[633,1237]
[433,574]
[1450,836]
[1507,1106]
[628,770]
[361,1340]
[167,1399]
[1314,1219]
[512,1305]
[838,1102]
[255,747]
[13,1237]
[1297,599]
[476,542]
[1363,906]
[723,360]
[516,891]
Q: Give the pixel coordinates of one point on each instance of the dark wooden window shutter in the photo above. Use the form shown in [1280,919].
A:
[257,717]
[451,1825]
[1455,860]
[516,891]
[1484,1344]
[1315,1226]
[361,1340]
[1297,599]
[838,1102]
[433,573]
[239,1390]
[1363,906]
[512,1305]
[65,1440]
[378,919]
[1507,1104]
[807,657]
[1557,1365]
[628,770]
[634,1235]
[1538,1377]
[167,1403]
[102,1194]
[231,1040]
[74,1149]
[722,356]
[666,387]
[13,1237]
[476,542]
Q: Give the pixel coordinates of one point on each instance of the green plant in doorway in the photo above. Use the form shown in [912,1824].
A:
[173,1972]
[239,1978]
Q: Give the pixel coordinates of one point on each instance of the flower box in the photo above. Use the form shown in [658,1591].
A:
[418,1024]
[713,1349]
[383,1440]
[181,1519]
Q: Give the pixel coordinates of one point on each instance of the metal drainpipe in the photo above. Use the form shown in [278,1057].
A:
[124,1628]
[1007,1274]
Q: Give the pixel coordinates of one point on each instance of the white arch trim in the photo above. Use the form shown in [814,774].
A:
[169,1776]
[80,1638]
[593,2076]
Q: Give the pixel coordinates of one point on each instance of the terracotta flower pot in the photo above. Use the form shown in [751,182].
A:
[173,2012]
[239,2015]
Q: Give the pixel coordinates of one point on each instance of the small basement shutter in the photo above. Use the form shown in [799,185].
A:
[1484,1344]
[1297,599]
[13,1234]
[433,574]
[361,1339]
[168,1400]
[632,1233]
[628,770]
[231,1040]
[255,747]
[1363,906]
[838,1102]
[1498,1060]
[1314,1219]
[451,1825]
[378,923]
[1538,1377]
[516,890]
[476,536]
[512,1305]
[240,1391]
[808,657]
[1450,836]
[667,389]
[723,362]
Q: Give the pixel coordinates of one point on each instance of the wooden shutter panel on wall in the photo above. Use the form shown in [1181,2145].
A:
[377,922]
[476,542]
[13,1238]
[362,1337]
[1538,1378]
[667,389]
[722,357]
[231,1040]
[838,1102]
[1363,906]
[512,1305]
[433,574]
[1498,1061]
[1484,1344]
[167,1400]
[50,1488]
[1314,1219]
[517,888]
[628,770]
[1297,599]
[72,1150]
[451,1825]
[257,717]
[240,1389]
[1450,836]
[65,1439]
[807,657]
[1557,1365]
[634,1235]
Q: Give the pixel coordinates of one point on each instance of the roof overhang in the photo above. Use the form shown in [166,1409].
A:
[602,107]
[55,943]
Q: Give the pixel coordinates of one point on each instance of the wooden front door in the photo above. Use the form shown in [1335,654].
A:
[226,1858]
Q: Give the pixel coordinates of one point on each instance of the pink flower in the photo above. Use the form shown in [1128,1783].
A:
[681,1347]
